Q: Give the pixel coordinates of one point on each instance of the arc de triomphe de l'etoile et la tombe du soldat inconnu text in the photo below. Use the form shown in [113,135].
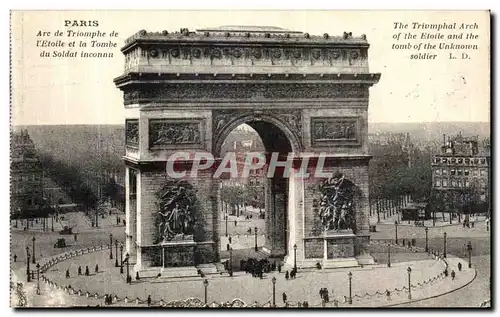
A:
[186,91]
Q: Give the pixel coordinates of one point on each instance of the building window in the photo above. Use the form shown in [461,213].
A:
[460,160]
[453,161]
[452,172]
[466,172]
[438,172]
[445,183]
[476,161]
[459,172]
[444,160]
[437,160]
[438,183]
[445,172]
[459,183]
[454,183]
[467,183]
[467,161]
[483,172]
[483,161]
[475,172]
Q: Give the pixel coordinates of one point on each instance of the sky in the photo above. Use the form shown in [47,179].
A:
[81,91]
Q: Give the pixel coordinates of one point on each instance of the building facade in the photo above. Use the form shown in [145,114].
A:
[26,176]
[461,175]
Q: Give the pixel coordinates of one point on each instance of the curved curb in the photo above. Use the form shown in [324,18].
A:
[434,296]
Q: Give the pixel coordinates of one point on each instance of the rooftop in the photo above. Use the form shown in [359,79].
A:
[248,28]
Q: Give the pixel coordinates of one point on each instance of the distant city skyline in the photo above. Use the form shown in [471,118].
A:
[81,91]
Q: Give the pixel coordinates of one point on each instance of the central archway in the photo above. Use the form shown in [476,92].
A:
[276,138]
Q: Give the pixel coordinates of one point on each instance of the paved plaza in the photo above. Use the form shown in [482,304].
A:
[223,288]
[470,289]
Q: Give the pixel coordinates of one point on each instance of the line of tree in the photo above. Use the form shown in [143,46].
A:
[397,175]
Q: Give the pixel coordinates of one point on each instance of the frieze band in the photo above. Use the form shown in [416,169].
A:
[240,91]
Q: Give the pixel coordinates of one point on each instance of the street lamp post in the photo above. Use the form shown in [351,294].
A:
[121,259]
[350,287]
[295,257]
[396,227]
[128,275]
[226,223]
[34,249]
[444,244]
[52,228]
[388,255]
[111,246]
[231,261]
[426,240]
[255,231]
[274,291]
[28,277]
[116,252]
[38,278]
[205,283]
[409,282]
[469,250]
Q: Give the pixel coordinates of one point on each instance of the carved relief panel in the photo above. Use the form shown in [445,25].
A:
[168,133]
[331,131]
[132,133]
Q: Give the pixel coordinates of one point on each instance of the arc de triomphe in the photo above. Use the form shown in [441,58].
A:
[304,94]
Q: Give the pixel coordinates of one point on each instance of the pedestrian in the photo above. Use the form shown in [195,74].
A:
[472,223]
[15,258]
[279,267]
[335,303]
[287,275]
[76,237]
[227,246]
[149,300]
[235,223]
[97,268]
[284,298]
[67,273]
[87,273]
[79,270]
[327,296]
[452,275]
[305,304]
[459,266]
[106,299]
[137,276]
[230,239]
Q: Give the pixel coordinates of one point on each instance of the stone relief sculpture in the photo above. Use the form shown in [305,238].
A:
[171,133]
[176,211]
[337,210]
[132,132]
[335,130]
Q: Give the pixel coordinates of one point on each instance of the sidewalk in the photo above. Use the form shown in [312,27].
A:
[249,289]
[427,223]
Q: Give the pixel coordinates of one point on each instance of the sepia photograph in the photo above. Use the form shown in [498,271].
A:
[250,159]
